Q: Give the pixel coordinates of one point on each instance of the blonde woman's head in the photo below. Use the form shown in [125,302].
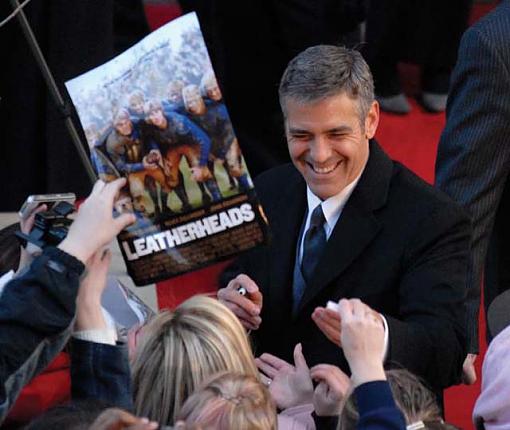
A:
[231,401]
[180,349]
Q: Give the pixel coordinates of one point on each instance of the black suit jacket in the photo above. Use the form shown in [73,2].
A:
[400,246]
[473,159]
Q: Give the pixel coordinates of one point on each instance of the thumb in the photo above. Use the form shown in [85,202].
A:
[322,389]
[123,221]
[299,358]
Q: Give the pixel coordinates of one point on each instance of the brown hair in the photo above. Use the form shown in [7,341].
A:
[415,401]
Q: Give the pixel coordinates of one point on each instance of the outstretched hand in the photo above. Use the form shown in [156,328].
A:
[331,391]
[94,226]
[329,323]
[289,385]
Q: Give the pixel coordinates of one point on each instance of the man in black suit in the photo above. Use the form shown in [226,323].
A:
[347,222]
[473,158]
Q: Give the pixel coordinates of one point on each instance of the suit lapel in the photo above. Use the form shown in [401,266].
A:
[285,229]
[357,226]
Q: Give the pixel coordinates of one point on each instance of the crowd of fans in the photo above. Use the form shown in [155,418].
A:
[193,367]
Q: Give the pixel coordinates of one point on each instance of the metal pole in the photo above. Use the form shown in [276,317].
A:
[54,91]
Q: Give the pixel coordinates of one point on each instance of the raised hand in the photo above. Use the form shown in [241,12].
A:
[362,339]
[94,226]
[289,385]
[331,391]
[246,307]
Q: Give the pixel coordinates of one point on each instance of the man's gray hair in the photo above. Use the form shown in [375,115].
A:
[323,71]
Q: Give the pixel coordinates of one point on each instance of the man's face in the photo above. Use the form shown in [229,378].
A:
[175,95]
[124,127]
[213,91]
[194,103]
[327,142]
[157,118]
[137,106]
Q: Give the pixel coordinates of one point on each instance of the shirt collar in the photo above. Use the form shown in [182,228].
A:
[333,206]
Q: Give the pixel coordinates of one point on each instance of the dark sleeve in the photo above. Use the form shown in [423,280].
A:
[376,407]
[100,371]
[473,157]
[36,316]
[429,336]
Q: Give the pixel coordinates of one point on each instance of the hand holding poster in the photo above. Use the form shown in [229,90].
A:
[156,116]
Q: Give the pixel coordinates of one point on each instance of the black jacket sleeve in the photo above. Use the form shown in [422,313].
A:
[36,315]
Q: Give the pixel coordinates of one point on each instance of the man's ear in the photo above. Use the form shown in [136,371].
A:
[372,120]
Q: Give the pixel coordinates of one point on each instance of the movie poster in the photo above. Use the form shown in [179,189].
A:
[156,116]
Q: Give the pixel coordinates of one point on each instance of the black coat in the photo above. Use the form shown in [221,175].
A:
[400,246]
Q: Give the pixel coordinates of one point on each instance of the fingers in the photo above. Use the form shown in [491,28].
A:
[266,369]
[98,187]
[338,383]
[264,379]
[328,322]
[337,380]
[230,294]
[245,281]
[322,389]
[345,310]
[271,365]
[299,358]
[248,321]
[111,190]
[123,220]
[27,224]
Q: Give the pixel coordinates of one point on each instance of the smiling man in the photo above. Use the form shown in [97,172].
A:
[348,222]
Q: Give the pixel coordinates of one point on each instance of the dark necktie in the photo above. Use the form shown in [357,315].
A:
[313,245]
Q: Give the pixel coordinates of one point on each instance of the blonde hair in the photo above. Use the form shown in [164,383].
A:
[180,349]
[231,401]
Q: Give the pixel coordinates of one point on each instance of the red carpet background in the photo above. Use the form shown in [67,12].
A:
[410,139]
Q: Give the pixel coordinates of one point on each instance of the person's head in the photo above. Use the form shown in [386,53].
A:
[231,401]
[210,87]
[193,101]
[416,402]
[492,408]
[154,114]
[174,91]
[122,122]
[327,98]
[136,101]
[179,349]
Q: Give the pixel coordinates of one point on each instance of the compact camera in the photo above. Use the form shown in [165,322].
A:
[50,226]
